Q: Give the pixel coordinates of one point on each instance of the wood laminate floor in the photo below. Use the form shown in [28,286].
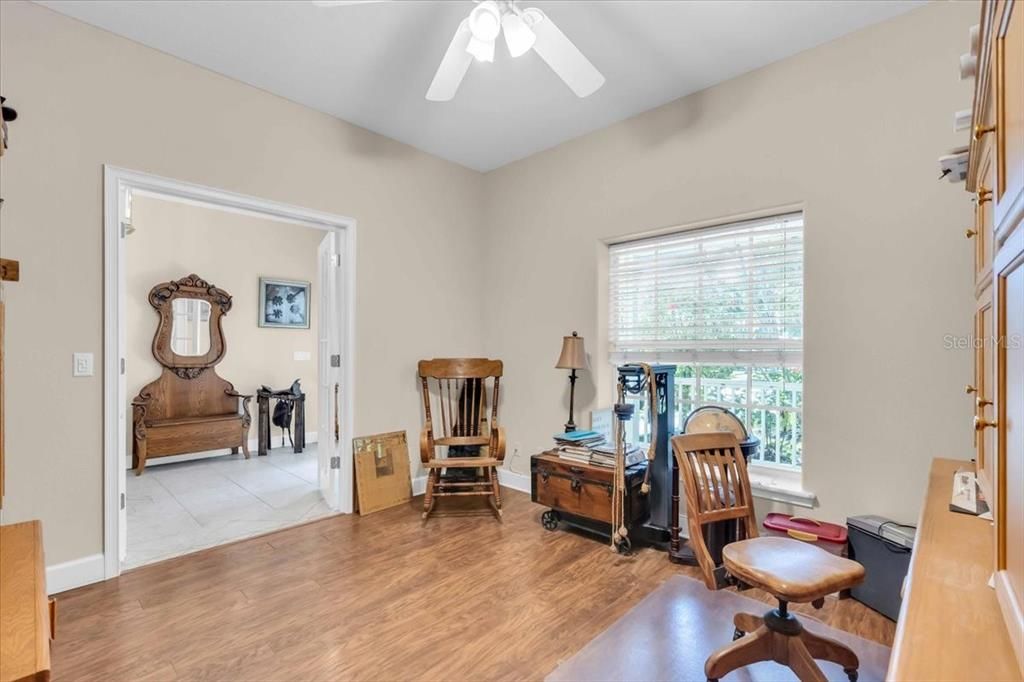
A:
[382,597]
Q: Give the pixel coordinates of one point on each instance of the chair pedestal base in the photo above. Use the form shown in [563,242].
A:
[778,636]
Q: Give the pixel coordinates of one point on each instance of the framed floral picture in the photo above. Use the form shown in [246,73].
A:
[284,303]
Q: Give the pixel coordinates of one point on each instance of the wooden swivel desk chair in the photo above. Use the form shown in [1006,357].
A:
[461,402]
[718,489]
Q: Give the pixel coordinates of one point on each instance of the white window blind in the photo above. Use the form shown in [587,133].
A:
[726,294]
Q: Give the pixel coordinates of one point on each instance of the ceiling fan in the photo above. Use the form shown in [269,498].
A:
[527,28]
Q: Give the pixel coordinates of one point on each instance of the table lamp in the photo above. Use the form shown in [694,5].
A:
[573,357]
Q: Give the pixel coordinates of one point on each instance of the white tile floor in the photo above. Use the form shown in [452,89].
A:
[178,508]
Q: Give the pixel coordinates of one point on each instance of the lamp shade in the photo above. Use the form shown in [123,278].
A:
[573,354]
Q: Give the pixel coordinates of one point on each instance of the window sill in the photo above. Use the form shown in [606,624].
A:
[780,485]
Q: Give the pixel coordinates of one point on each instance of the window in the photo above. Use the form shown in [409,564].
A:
[725,305]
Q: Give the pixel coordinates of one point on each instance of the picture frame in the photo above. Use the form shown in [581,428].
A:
[284,303]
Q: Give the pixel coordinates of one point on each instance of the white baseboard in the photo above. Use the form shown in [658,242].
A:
[514,480]
[74,573]
[506,477]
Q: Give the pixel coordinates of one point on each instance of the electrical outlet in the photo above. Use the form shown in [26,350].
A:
[82,365]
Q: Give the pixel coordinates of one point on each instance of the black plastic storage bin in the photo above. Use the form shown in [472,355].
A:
[883,547]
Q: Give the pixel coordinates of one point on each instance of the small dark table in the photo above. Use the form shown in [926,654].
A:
[298,418]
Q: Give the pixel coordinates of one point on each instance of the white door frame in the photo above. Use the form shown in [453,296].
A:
[118,181]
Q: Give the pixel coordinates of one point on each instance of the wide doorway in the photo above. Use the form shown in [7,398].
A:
[232,331]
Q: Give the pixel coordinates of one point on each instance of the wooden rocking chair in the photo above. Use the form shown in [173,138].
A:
[461,399]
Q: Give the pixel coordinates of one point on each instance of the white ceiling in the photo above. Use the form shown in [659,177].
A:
[370,64]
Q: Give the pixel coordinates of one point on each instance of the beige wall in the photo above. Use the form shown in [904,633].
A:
[851,130]
[231,250]
[87,98]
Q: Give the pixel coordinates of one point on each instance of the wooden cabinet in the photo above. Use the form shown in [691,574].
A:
[1009,433]
[996,181]
[28,622]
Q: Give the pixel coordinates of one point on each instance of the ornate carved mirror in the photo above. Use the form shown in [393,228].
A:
[190,328]
[189,337]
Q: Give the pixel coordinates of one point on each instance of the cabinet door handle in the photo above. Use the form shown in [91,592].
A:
[980,424]
[980,131]
[576,485]
[968,389]
[984,194]
[970,233]
[981,402]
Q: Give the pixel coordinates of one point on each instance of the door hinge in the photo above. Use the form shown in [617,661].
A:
[122,501]
[336,258]
[336,462]
[126,229]
[336,361]
[122,365]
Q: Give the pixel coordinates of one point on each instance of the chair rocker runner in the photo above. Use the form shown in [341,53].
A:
[718,489]
[460,402]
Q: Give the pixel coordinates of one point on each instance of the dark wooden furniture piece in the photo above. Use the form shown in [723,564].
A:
[29,617]
[461,403]
[10,271]
[717,488]
[581,494]
[263,398]
[189,408]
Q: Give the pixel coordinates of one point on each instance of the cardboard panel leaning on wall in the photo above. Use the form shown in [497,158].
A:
[232,251]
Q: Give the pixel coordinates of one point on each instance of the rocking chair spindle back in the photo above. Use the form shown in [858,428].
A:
[455,405]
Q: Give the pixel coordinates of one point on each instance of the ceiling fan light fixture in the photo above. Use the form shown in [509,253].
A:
[518,35]
[482,50]
[532,16]
[485,21]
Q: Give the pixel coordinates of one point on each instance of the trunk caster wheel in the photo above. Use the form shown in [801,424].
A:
[623,546]
[737,633]
[550,519]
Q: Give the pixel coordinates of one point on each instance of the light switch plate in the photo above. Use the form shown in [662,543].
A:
[82,365]
[302,355]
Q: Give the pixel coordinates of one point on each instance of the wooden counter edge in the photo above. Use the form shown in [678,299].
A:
[940,484]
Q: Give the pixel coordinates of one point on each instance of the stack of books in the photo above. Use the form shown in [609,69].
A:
[575,445]
[604,455]
[590,447]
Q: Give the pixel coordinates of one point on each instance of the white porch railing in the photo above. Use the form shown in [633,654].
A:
[771,410]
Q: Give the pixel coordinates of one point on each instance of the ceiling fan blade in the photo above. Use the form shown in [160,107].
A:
[561,55]
[453,67]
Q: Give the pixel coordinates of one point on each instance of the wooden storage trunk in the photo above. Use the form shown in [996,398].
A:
[581,494]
